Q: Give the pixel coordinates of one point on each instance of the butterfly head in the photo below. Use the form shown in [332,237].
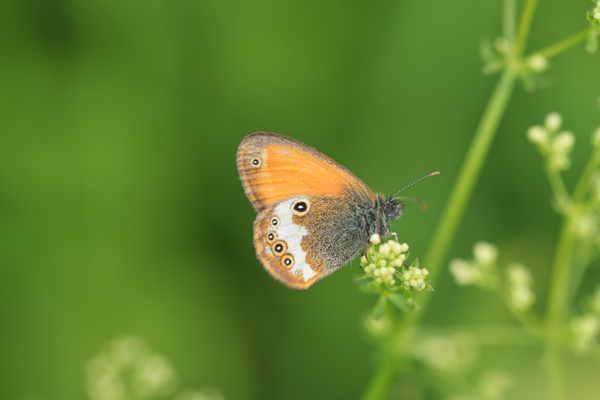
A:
[392,208]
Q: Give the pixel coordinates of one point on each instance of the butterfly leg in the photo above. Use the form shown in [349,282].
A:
[396,236]
[364,230]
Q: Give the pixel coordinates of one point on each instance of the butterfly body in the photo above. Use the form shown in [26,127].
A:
[313,214]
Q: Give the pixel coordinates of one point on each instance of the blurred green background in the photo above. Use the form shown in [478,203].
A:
[121,210]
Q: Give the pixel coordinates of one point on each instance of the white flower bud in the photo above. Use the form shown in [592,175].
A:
[485,253]
[463,272]
[537,134]
[384,249]
[375,239]
[563,143]
[518,274]
[537,63]
[553,121]
[404,247]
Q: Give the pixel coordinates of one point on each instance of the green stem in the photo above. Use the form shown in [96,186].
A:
[559,47]
[379,386]
[468,175]
[558,187]
[525,26]
[560,275]
[510,7]
[587,177]
[559,299]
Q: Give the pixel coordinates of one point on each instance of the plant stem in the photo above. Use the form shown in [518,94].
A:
[559,47]
[559,301]
[587,177]
[468,175]
[524,26]
[510,7]
[380,383]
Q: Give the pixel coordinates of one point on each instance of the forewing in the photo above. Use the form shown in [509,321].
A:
[305,238]
[274,167]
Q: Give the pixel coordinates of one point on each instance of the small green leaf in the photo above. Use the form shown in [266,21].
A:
[415,263]
[363,286]
[374,285]
[379,308]
[359,277]
[397,300]
[407,296]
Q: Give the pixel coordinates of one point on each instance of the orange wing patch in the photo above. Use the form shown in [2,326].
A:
[274,167]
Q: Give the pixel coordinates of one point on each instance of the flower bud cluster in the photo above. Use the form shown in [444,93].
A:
[478,271]
[383,261]
[385,265]
[520,295]
[585,329]
[554,145]
[127,369]
[482,271]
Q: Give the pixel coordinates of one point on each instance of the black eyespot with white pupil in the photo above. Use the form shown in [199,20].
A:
[255,162]
[279,247]
[271,237]
[300,207]
[274,221]
[287,261]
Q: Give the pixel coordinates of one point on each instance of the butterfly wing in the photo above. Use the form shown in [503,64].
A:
[305,238]
[274,167]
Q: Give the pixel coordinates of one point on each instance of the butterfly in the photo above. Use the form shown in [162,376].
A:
[313,214]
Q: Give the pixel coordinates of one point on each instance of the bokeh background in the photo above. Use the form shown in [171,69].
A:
[121,210]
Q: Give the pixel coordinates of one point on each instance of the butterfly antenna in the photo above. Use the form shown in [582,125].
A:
[412,183]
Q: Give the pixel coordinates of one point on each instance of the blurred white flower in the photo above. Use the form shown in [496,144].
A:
[485,253]
[465,273]
[553,121]
[127,370]
[448,353]
[537,63]
[585,329]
